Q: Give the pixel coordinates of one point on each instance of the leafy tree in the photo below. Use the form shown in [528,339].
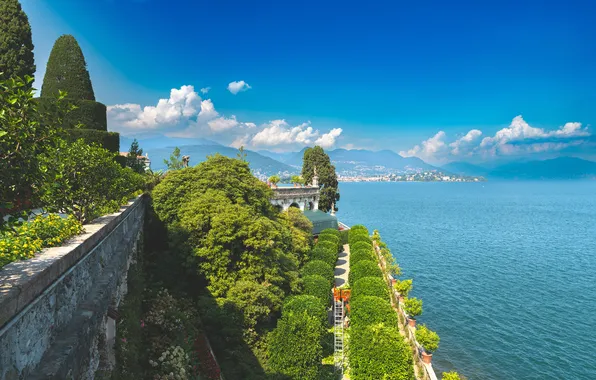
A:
[427,338]
[354,239]
[301,231]
[370,286]
[175,161]
[241,153]
[363,269]
[330,246]
[331,231]
[256,301]
[295,346]
[67,71]
[306,303]
[316,157]
[274,179]
[132,159]
[359,229]
[27,136]
[378,351]
[88,182]
[225,219]
[16,46]
[317,286]
[329,240]
[362,245]
[297,179]
[413,307]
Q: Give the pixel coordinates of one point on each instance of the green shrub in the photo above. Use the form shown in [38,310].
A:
[359,228]
[107,140]
[328,237]
[413,307]
[317,286]
[30,237]
[331,246]
[359,238]
[364,269]
[403,287]
[362,245]
[370,286]
[427,338]
[306,303]
[324,255]
[88,182]
[16,48]
[295,347]
[321,268]
[369,310]
[379,352]
[361,255]
[331,231]
[450,376]
[343,236]
[257,302]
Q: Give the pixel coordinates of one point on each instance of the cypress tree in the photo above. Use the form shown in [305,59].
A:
[16,46]
[67,71]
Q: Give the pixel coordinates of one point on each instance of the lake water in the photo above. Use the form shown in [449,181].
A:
[506,270]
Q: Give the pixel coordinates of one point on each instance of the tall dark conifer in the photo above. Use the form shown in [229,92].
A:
[16,46]
[316,157]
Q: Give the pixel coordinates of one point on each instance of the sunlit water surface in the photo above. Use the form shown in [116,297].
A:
[506,270]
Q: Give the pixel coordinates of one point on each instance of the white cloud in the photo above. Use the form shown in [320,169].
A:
[222,124]
[185,114]
[208,110]
[182,104]
[280,133]
[239,86]
[205,90]
[327,140]
[428,149]
[517,139]
[462,145]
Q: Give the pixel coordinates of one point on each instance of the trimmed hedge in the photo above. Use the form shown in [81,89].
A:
[364,269]
[360,238]
[370,310]
[331,231]
[362,245]
[295,349]
[379,352]
[321,268]
[93,115]
[107,140]
[317,286]
[361,255]
[328,238]
[333,247]
[370,286]
[306,303]
[359,228]
[323,255]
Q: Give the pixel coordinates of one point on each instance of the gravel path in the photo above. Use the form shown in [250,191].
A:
[342,267]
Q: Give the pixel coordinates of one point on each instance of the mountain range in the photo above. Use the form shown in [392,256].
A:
[361,162]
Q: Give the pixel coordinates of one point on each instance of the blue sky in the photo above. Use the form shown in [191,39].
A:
[440,80]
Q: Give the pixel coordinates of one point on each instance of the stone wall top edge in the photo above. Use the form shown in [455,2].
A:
[22,281]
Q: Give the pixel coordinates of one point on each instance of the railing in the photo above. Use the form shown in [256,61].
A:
[410,332]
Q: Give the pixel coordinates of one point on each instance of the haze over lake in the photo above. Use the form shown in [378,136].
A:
[506,270]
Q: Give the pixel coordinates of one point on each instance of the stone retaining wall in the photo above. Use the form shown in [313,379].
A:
[53,308]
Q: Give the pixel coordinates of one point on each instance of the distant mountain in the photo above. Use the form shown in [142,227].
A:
[466,169]
[557,168]
[158,141]
[278,156]
[198,153]
[359,161]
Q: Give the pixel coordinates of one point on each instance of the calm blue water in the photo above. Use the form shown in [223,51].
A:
[506,270]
